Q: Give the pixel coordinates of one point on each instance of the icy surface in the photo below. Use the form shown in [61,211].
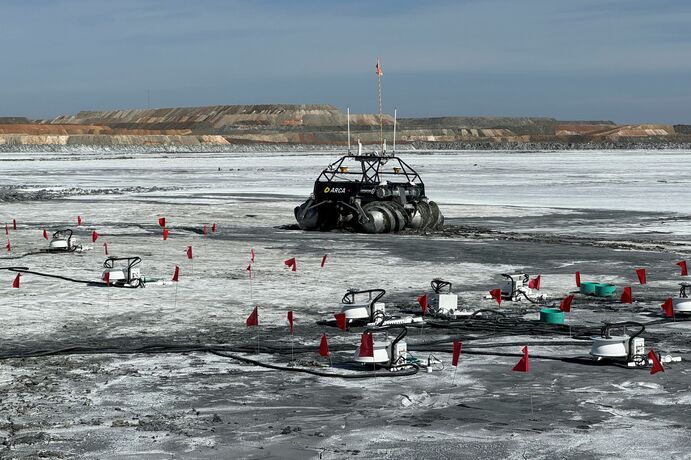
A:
[543,212]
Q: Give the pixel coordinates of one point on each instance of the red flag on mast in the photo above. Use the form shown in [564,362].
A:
[657,365]
[79,220]
[165,234]
[290,321]
[565,304]
[176,274]
[523,365]
[14,224]
[15,283]
[456,352]
[213,228]
[291,263]
[366,345]
[422,300]
[668,307]
[252,255]
[684,269]
[189,252]
[641,275]
[162,222]
[496,295]
[94,236]
[8,246]
[378,69]
[626,296]
[45,234]
[253,318]
[106,278]
[324,347]
[324,260]
[578,279]
[105,248]
[534,283]
[341,321]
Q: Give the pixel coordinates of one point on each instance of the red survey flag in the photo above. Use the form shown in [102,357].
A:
[290,321]
[176,274]
[341,321]
[94,236]
[9,246]
[165,234]
[626,296]
[523,365]
[249,270]
[45,234]
[162,222]
[641,275]
[456,352]
[578,279]
[106,278]
[324,347]
[213,228]
[189,252]
[534,283]
[684,270]
[496,295]
[14,224]
[668,307]
[15,283]
[252,255]
[657,365]
[324,260]
[79,220]
[292,263]
[565,304]
[253,318]
[422,300]
[204,230]
[105,248]
[366,345]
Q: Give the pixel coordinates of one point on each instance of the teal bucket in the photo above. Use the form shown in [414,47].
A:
[588,287]
[605,290]
[552,316]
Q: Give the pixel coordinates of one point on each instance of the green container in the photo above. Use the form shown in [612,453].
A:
[552,316]
[588,287]
[605,290]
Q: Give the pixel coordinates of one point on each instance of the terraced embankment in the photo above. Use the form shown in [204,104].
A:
[319,125]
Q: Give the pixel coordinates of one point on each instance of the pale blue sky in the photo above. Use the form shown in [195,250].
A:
[624,60]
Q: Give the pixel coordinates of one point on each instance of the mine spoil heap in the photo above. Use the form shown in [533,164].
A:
[313,124]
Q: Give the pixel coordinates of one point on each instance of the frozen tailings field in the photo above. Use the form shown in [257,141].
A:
[95,372]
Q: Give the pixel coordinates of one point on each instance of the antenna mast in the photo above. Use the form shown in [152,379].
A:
[349,130]
[381,120]
[395,117]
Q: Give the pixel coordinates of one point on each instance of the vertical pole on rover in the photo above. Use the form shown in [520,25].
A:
[395,114]
[348,130]
[381,120]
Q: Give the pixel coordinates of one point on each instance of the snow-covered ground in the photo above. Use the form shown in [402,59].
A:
[602,213]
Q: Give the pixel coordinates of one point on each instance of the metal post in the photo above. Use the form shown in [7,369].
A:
[349,130]
[394,129]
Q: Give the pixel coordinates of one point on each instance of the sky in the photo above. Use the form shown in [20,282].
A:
[628,61]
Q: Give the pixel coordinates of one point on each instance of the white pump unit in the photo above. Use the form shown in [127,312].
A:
[682,304]
[390,353]
[63,241]
[515,286]
[615,344]
[362,305]
[123,271]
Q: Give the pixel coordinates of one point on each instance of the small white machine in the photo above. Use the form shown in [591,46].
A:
[615,344]
[682,304]
[389,353]
[123,271]
[447,301]
[63,241]
[363,305]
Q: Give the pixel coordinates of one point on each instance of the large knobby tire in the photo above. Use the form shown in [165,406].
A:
[425,214]
[376,221]
[307,216]
[401,216]
[437,220]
